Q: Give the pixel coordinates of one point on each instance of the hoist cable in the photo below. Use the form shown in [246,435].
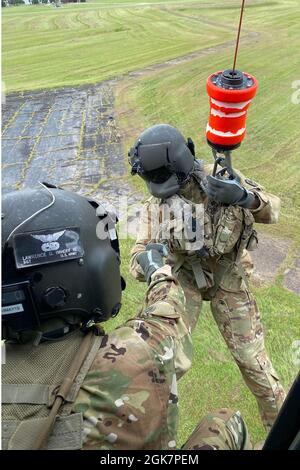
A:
[238,35]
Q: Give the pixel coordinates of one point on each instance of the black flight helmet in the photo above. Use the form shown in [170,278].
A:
[163,158]
[60,256]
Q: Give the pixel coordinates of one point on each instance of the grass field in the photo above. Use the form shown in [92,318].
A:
[75,44]
[89,42]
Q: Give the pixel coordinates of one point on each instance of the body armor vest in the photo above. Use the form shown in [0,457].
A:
[227,232]
[31,378]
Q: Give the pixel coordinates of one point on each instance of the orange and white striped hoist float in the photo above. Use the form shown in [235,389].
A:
[230,94]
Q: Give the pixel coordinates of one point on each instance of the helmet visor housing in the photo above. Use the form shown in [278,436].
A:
[161,153]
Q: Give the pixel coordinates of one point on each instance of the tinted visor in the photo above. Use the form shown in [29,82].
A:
[158,176]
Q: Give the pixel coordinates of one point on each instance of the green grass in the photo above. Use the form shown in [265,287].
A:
[86,43]
[216,382]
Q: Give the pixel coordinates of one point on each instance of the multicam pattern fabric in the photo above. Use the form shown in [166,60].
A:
[129,396]
[233,305]
[223,429]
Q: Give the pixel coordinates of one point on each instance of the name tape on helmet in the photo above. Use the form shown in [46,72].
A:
[47,246]
[9,309]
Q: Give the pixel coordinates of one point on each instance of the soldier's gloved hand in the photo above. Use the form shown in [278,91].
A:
[229,192]
[152,259]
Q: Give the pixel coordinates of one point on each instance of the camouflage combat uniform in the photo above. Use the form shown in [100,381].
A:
[232,303]
[129,397]
[126,399]
[222,429]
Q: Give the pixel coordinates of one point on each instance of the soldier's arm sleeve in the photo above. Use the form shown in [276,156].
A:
[129,397]
[268,209]
[164,321]
[145,234]
[269,205]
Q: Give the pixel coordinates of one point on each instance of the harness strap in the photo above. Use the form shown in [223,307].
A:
[64,389]
[35,394]
[200,279]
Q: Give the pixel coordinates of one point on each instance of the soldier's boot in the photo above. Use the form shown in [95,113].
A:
[223,429]
[239,321]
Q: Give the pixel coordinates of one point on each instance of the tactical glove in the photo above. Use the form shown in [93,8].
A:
[152,259]
[229,192]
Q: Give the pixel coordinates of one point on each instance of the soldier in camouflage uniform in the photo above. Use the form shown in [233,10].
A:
[220,270]
[65,383]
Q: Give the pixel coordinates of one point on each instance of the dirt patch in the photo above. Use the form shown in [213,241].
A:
[251,36]
[268,259]
[292,276]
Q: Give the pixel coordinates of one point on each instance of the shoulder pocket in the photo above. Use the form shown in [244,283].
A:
[161,309]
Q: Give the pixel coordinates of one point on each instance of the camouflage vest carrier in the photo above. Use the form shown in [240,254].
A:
[226,227]
[31,378]
[228,231]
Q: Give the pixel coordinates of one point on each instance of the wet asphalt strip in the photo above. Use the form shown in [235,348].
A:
[67,137]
